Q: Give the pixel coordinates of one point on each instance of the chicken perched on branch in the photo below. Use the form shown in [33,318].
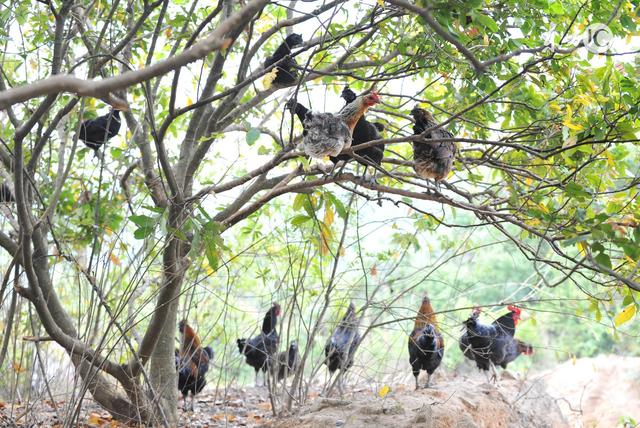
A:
[96,132]
[285,71]
[426,345]
[327,134]
[341,347]
[363,132]
[431,160]
[259,350]
[493,344]
[287,362]
[192,363]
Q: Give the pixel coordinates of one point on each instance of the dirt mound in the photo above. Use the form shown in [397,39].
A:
[457,402]
[597,392]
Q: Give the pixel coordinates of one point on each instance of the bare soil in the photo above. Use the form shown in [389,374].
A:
[585,393]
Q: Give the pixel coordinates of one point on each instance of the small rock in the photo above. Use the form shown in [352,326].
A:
[339,422]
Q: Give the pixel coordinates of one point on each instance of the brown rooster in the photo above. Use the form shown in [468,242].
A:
[426,345]
[192,362]
[327,134]
[431,160]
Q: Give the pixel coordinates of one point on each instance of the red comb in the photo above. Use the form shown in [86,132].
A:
[515,309]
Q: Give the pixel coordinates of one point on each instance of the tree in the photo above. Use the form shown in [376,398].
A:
[546,131]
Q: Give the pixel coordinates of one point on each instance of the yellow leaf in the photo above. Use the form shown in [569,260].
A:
[381,3]
[568,120]
[582,246]
[268,78]
[168,32]
[18,367]
[573,360]
[384,391]
[115,260]
[189,101]
[585,100]
[543,208]
[328,217]
[574,126]
[610,161]
[624,316]
[341,251]
[555,106]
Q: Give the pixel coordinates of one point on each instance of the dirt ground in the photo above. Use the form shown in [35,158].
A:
[597,392]
[585,393]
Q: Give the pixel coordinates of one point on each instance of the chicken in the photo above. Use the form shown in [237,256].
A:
[259,350]
[363,132]
[327,134]
[5,194]
[493,344]
[426,345]
[192,363]
[288,361]
[286,73]
[342,345]
[431,160]
[96,132]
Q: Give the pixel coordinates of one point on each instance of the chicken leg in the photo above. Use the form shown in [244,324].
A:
[428,384]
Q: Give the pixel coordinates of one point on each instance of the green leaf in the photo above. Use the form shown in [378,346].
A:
[604,260]
[252,136]
[624,316]
[213,243]
[299,220]
[486,22]
[145,224]
[299,201]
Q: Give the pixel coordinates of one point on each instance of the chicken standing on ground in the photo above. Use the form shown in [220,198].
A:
[426,345]
[286,73]
[287,362]
[259,350]
[342,345]
[363,132]
[493,344]
[192,363]
[327,134]
[96,132]
[431,160]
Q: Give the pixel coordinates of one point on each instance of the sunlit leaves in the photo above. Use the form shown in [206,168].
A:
[625,315]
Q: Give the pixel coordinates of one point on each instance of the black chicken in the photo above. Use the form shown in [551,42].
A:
[286,69]
[493,344]
[5,194]
[96,132]
[340,348]
[192,363]
[426,345]
[259,350]
[288,361]
[431,160]
[363,132]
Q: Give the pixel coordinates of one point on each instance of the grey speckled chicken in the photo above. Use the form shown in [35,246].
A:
[432,160]
[327,134]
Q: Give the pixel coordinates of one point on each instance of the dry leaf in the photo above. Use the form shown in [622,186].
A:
[384,391]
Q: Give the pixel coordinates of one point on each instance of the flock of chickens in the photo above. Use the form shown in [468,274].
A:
[324,134]
[489,345]
[330,134]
